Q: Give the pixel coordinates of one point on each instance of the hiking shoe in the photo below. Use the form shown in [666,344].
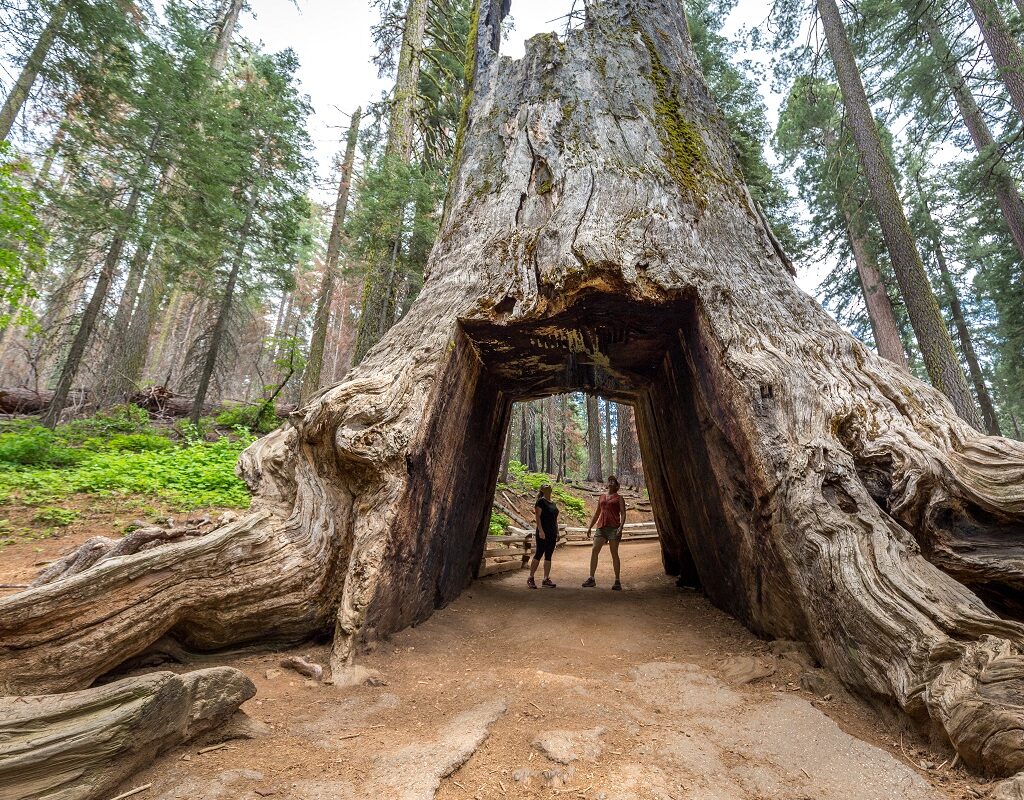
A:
[589,583]
[616,587]
[549,583]
[531,582]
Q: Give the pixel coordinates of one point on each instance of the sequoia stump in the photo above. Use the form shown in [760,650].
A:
[598,236]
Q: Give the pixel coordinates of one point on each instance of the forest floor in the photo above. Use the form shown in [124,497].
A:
[650,693]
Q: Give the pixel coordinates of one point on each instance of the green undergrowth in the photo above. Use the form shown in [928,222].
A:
[119,453]
[522,480]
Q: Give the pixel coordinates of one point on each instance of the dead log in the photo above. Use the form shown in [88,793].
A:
[511,513]
[20,400]
[598,237]
[81,745]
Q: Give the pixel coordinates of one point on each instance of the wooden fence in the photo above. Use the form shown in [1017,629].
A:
[511,552]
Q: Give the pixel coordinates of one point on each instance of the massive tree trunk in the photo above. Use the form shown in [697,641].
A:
[599,239]
[932,337]
[594,469]
[325,298]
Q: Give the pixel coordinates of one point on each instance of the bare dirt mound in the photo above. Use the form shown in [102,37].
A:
[650,693]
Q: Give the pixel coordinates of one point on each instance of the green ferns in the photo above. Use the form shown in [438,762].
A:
[97,456]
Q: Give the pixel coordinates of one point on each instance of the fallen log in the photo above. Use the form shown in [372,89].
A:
[80,745]
[157,400]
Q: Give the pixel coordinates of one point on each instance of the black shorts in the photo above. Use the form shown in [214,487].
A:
[544,548]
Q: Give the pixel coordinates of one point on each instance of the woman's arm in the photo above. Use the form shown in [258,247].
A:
[536,518]
[622,514]
[593,519]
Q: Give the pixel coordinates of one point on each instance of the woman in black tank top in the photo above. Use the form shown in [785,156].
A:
[545,515]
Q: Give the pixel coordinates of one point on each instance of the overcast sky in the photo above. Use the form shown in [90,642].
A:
[332,40]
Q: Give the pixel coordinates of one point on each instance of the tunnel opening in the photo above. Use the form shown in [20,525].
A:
[650,355]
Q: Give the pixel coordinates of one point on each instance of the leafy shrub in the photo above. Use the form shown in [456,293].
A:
[138,443]
[258,418]
[119,419]
[35,445]
[58,517]
[521,478]
[498,525]
[119,454]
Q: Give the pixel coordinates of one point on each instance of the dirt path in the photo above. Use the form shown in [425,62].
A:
[562,693]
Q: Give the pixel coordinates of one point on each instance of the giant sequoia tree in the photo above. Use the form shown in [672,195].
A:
[598,237]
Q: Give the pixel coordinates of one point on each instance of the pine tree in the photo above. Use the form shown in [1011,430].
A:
[314,366]
[932,337]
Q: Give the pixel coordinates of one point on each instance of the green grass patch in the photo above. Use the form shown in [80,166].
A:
[498,524]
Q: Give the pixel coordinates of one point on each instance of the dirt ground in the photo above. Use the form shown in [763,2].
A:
[27,544]
[646,694]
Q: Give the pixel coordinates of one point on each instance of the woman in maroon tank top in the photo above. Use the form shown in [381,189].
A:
[610,517]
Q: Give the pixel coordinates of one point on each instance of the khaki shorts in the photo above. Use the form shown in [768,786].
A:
[608,534]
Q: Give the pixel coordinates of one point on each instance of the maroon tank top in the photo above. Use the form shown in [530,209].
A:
[610,512]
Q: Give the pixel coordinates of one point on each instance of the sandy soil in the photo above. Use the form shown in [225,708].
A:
[567,692]
[28,545]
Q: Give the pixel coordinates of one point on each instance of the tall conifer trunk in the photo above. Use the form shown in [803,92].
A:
[325,298]
[925,317]
[594,468]
[994,168]
[379,291]
[26,79]
[1005,50]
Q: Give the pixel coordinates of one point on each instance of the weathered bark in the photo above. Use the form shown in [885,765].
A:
[925,317]
[995,170]
[1004,49]
[594,470]
[79,746]
[629,470]
[880,311]
[379,290]
[956,311]
[315,362]
[815,490]
[30,71]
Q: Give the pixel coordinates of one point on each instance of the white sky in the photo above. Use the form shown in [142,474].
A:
[332,40]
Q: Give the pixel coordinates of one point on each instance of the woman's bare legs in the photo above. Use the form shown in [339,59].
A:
[595,552]
[614,547]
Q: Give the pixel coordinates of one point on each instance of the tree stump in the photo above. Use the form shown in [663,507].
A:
[598,237]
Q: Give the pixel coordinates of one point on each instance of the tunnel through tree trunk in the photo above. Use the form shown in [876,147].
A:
[598,237]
